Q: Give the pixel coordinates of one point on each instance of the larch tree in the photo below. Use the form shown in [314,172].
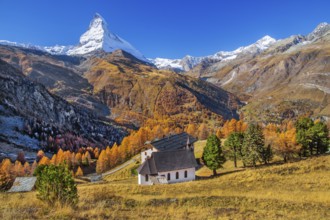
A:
[60,157]
[78,159]
[286,145]
[114,159]
[18,168]
[40,154]
[219,133]
[27,169]
[79,172]
[102,163]
[212,155]
[53,160]
[6,177]
[202,131]
[44,161]
[86,159]
[34,166]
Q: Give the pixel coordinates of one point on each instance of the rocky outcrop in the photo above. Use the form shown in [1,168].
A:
[30,101]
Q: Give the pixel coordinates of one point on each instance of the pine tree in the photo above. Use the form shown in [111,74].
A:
[234,144]
[56,184]
[212,155]
[320,137]
[253,145]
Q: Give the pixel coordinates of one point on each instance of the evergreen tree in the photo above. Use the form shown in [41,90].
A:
[56,184]
[303,126]
[312,136]
[234,144]
[253,145]
[266,154]
[212,155]
[320,137]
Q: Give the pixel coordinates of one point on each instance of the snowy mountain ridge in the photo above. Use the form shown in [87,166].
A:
[188,62]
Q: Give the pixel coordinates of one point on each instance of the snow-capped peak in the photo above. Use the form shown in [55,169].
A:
[98,37]
[266,41]
[319,31]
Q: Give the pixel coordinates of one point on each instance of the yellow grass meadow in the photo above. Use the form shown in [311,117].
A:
[298,190]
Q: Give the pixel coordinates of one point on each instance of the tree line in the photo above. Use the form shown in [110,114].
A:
[259,144]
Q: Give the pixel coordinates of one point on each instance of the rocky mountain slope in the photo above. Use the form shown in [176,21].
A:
[116,84]
[289,78]
[60,74]
[126,84]
[32,118]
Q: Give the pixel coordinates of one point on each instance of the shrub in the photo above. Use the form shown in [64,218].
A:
[56,184]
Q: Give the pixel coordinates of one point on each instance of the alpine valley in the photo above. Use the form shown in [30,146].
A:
[96,92]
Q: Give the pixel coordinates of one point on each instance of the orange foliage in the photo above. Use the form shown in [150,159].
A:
[79,172]
[233,126]
[286,144]
[44,161]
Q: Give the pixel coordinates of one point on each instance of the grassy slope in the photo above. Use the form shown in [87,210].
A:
[298,190]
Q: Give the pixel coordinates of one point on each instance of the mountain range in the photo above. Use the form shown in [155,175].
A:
[287,79]
[99,94]
[96,90]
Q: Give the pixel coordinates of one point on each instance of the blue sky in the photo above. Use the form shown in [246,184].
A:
[162,28]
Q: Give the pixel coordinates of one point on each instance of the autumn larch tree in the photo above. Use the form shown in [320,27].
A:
[212,155]
[202,131]
[286,145]
[79,172]
[102,163]
[44,161]
[40,154]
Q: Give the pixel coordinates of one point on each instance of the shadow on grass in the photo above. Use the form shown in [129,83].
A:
[218,174]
